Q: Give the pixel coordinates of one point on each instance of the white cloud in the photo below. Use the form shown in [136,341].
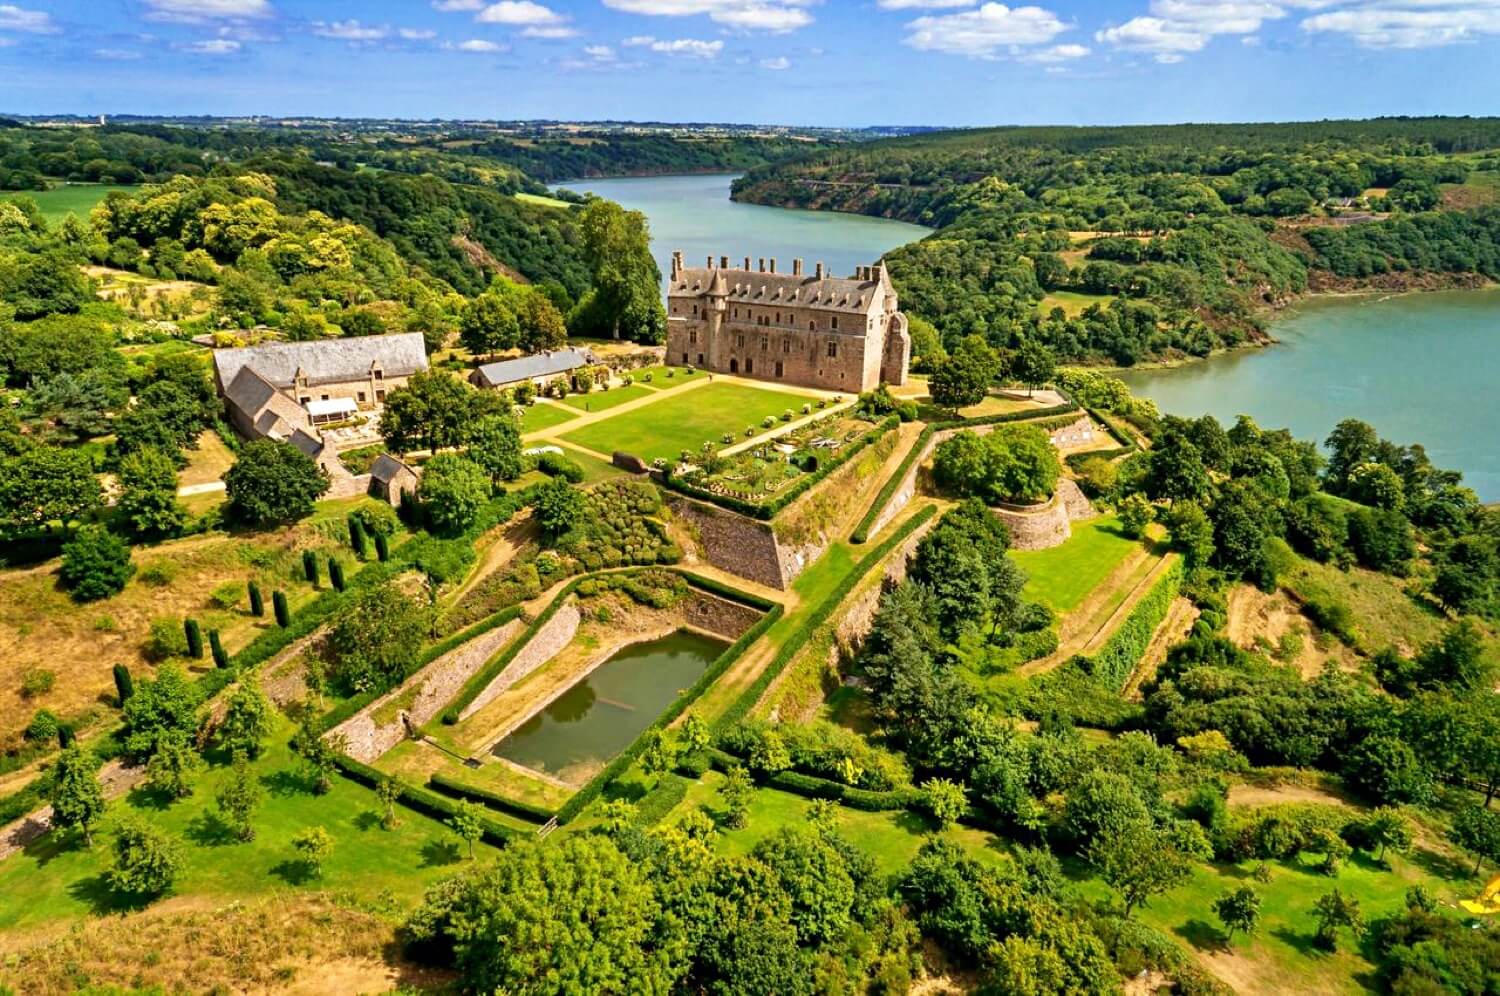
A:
[985,33]
[452,5]
[1056,54]
[922,4]
[213,46]
[1177,27]
[200,11]
[351,31]
[37,22]
[518,12]
[480,45]
[772,16]
[417,34]
[693,48]
[117,54]
[550,31]
[1390,27]
[777,64]
[599,53]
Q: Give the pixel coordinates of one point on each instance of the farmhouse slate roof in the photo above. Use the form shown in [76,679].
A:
[325,360]
[387,468]
[528,367]
[842,294]
[272,412]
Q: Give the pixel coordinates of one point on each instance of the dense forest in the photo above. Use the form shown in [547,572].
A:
[1163,242]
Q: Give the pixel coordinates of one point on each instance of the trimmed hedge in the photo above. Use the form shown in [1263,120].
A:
[793,644]
[491,798]
[1127,445]
[349,707]
[626,758]
[716,587]
[888,491]
[769,508]
[814,787]
[661,800]
[420,799]
[1122,651]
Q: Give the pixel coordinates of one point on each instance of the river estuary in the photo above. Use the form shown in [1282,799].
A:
[1419,367]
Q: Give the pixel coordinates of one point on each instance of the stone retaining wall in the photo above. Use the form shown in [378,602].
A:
[735,543]
[854,625]
[719,616]
[543,646]
[427,692]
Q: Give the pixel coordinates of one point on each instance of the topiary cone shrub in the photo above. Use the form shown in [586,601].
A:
[335,574]
[283,614]
[124,686]
[382,547]
[216,648]
[310,567]
[257,604]
[194,635]
[358,540]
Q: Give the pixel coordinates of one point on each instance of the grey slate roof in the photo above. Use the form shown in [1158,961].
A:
[387,468]
[528,367]
[272,412]
[842,294]
[325,360]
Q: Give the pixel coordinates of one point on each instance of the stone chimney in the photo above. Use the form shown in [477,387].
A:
[710,263]
[676,263]
[819,271]
[747,264]
[723,262]
[762,261]
[773,264]
[796,267]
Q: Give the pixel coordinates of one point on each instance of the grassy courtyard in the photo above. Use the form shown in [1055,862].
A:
[543,415]
[73,198]
[684,420]
[599,401]
[1064,575]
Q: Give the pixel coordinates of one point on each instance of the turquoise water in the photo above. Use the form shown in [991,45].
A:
[1420,368]
[695,214]
[601,715]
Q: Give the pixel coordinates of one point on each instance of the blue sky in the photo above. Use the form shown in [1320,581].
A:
[810,62]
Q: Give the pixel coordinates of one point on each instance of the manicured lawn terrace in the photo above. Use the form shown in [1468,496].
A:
[1064,575]
[543,415]
[685,420]
[56,877]
[76,198]
[599,401]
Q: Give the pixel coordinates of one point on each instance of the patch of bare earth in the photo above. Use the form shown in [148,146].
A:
[1251,796]
[288,944]
[1258,621]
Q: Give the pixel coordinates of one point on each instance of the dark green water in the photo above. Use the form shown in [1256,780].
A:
[695,214]
[599,717]
[1421,368]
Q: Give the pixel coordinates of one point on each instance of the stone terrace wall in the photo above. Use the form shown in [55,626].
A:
[428,691]
[1077,503]
[1036,527]
[859,615]
[543,646]
[719,616]
[733,542]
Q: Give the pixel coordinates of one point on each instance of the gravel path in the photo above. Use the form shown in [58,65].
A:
[116,778]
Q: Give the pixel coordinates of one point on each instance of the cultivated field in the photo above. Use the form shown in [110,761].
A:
[72,198]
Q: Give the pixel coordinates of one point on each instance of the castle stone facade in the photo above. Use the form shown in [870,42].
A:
[809,329]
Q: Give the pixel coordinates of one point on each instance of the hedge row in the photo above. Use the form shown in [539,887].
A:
[626,758]
[1122,651]
[888,491]
[794,643]
[346,710]
[716,587]
[1127,445]
[769,508]
[423,801]
[670,790]
[491,798]
[815,787]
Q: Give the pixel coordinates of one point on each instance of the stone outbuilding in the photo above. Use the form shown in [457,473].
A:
[390,478]
[540,369]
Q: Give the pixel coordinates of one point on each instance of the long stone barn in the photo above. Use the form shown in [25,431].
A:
[808,329]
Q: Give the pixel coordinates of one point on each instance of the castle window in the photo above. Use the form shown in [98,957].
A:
[833,349]
[786,344]
[739,338]
[736,313]
[835,323]
[695,311]
[779,370]
[692,335]
[812,326]
[685,359]
[778,318]
[361,397]
[765,343]
[306,399]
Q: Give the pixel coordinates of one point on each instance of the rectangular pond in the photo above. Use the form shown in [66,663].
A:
[580,730]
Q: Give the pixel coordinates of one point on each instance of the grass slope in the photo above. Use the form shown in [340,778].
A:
[1062,576]
[73,198]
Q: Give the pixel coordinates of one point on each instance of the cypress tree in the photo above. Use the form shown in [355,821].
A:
[382,547]
[283,614]
[310,567]
[194,638]
[357,539]
[257,604]
[221,659]
[64,736]
[124,686]
[336,574]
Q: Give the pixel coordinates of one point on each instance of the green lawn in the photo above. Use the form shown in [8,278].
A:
[544,416]
[56,877]
[891,838]
[1072,303]
[594,469]
[76,198]
[551,202]
[1064,575]
[659,378]
[684,421]
[599,401]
